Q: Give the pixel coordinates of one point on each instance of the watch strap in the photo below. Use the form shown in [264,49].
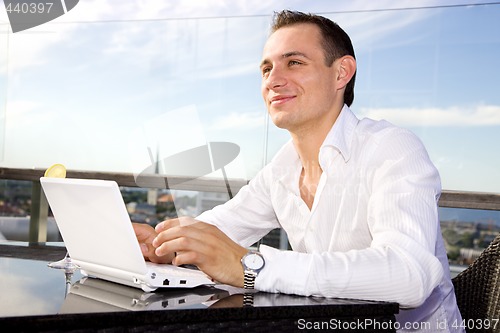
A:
[249,280]
[247,299]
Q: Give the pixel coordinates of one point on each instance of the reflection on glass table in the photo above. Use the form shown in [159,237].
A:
[95,295]
[29,287]
[34,299]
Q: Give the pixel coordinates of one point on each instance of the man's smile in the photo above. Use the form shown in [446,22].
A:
[280,99]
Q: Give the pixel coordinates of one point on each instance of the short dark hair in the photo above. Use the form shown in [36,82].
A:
[336,43]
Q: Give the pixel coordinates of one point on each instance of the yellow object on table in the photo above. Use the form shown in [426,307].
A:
[56,171]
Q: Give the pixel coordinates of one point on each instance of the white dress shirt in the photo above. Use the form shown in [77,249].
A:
[372,233]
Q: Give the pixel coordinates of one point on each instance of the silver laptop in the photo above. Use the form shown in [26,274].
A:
[96,229]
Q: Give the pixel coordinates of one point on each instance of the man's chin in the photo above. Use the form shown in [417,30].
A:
[279,119]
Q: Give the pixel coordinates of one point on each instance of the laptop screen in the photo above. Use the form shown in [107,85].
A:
[94,222]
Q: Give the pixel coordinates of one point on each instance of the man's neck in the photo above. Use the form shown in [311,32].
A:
[307,143]
[308,140]
[308,146]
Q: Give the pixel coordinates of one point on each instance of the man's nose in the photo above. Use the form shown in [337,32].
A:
[276,79]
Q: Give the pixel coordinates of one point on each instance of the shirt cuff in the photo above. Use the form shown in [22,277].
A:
[280,273]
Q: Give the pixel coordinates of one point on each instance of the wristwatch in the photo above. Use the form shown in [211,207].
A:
[252,262]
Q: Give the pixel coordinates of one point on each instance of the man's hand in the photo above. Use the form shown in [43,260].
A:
[201,244]
[145,235]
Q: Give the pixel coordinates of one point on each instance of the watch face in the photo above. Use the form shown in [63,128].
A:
[254,261]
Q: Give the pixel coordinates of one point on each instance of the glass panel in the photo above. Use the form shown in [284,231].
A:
[415,75]
[466,233]
[15,212]
[4,58]
[103,97]
[84,89]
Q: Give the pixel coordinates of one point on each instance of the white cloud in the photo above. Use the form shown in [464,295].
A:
[28,48]
[480,115]
[20,297]
[229,71]
[24,113]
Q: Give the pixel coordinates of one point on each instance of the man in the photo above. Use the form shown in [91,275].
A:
[357,198]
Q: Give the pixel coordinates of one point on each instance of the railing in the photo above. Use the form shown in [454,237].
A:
[39,206]
[128,179]
[471,200]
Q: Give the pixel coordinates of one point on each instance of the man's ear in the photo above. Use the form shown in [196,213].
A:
[346,70]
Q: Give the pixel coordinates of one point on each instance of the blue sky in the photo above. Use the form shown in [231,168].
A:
[94,88]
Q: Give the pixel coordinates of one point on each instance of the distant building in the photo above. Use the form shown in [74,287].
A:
[467,256]
[165,199]
[142,213]
[152,196]
[208,200]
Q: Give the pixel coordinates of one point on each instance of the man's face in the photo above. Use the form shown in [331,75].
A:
[299,90]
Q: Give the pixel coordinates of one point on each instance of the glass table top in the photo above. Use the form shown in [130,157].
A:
[29,287]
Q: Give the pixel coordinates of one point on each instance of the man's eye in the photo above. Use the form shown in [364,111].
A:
[294,62]
[266,70]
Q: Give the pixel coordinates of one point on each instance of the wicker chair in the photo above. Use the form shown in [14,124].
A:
[477,288]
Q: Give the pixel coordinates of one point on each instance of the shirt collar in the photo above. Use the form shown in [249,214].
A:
[341,134]
[339,137]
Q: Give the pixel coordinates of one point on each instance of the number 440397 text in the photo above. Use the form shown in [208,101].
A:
[476,324]
[29,7]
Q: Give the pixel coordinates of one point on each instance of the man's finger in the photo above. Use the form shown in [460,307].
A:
[167,224]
